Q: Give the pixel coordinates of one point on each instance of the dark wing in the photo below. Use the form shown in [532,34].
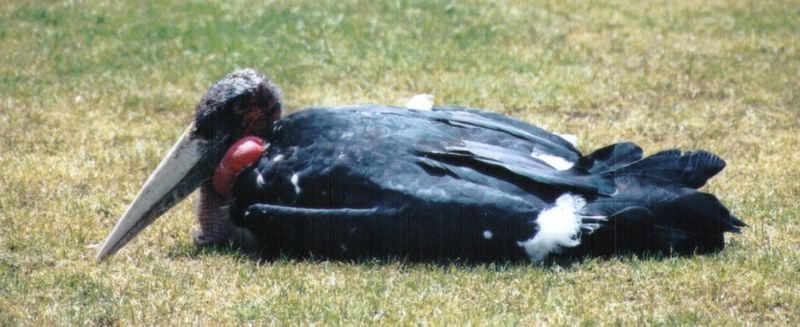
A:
[519,166]
[374,181]
[537,138]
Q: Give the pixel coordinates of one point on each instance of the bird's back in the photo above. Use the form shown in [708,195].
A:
[368,181]
[378,157]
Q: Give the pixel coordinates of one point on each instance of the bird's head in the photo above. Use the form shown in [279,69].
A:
[245,102]
[241,106]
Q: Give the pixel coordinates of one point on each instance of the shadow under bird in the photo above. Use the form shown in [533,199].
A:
[447,183]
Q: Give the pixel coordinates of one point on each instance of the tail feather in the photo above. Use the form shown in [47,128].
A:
[691,169]
[610,157]
[657,207]
[680,214]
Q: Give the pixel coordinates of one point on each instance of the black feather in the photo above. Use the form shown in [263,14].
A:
[521,165]
[690,169]
[610,157]
[696,213]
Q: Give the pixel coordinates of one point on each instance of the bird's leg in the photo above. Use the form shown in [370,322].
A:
[215,225]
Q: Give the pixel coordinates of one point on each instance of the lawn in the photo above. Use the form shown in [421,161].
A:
[92,94]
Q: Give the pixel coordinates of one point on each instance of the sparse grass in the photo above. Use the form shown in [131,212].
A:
[93,92]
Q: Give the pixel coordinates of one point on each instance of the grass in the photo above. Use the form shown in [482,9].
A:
[93,92]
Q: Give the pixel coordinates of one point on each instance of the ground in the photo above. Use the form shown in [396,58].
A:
[92,94]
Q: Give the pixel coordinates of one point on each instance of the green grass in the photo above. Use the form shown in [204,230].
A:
[92,94]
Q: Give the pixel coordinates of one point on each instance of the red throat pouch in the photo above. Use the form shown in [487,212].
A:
[239,156]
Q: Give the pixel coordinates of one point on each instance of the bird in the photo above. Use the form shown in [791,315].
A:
[443,183]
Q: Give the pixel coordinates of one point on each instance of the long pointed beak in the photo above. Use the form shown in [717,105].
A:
[190,162]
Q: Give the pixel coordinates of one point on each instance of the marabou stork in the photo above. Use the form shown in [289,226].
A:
[447,183]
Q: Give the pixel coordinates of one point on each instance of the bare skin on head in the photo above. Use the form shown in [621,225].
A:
[212,214]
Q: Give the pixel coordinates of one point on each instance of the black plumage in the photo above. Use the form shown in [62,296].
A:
[373,181]
[447,183]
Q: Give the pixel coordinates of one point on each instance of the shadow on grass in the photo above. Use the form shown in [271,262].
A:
[565,261]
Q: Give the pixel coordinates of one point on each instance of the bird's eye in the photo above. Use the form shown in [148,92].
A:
[240,105]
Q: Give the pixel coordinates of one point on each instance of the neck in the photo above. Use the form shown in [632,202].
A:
[215,225]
